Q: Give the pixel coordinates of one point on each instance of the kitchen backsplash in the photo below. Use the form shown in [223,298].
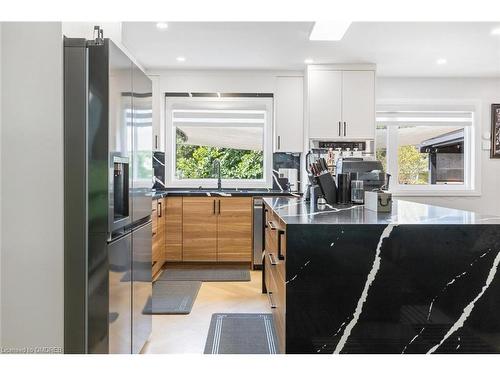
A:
[280,160]
[159,169]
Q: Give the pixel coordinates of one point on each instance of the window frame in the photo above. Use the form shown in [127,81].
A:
[171,180]
[472,155]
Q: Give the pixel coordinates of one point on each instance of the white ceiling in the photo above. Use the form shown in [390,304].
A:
[398,49]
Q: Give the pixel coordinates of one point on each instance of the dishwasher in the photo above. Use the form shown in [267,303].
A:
[258,232]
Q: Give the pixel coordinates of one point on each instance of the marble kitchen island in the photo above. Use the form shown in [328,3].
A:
[422,279]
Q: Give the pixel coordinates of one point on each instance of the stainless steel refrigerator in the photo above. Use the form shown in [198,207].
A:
[108,179]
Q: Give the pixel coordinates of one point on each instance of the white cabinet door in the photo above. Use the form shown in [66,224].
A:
[157,131]
[289,108]
[358,104]
[325,103]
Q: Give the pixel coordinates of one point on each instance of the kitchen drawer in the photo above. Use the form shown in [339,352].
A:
[276,239]
[276,293]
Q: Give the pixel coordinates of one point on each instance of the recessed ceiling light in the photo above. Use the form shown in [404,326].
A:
[495,31]
[329,30]
[181,59]
[441,61]
[162,25]
[308,61]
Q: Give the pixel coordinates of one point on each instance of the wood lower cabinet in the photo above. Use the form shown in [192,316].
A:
[217,229]
[234,229]
[173,229]
[202,229]
[275,272]
[199,229]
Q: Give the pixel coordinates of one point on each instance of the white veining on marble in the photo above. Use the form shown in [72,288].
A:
[364,295]
[286,205]
[468,309]
[335,334]
[413,339]
[333,243]
[449,283]
[297,274]
[276,179]
[458,346]
[452,281]
[332,210]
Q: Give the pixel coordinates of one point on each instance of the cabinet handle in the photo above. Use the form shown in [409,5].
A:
[271,299]
[280,255]
[279,142]
[345,128]
[340,126]
[272,260]
[219,206]
[156,142]
[160,212]
[214,206]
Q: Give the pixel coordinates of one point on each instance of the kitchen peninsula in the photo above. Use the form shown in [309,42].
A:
[421,279]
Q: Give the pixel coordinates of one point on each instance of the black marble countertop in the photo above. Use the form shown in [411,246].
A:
[297,211]
[223,193]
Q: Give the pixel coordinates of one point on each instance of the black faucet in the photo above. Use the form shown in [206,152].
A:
[216,167]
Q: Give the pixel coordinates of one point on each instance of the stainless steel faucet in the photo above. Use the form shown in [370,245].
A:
[216,167]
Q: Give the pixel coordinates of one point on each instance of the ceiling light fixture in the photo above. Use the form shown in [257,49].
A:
[329,30]
[308,61]
[495,31]
[181,59]
[162,25]
[441,61]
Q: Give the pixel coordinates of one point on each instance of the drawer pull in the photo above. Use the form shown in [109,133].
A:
[272,260]
[271,300]
[280,255]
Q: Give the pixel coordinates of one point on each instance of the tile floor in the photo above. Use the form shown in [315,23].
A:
[187,333]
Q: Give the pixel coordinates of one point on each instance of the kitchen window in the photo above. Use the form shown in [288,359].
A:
[427,150]
[236,130]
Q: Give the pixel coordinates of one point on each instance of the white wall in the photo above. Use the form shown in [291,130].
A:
[485,90]
[32,185]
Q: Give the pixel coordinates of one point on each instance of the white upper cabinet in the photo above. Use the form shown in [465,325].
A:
[358,104]
[341,103]
[289,114]
[325,103]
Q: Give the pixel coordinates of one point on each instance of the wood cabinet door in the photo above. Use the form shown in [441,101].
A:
[199,229]
[234,230]
[173,229]
[358,104]
[160,232]
[325,103]
[156,247]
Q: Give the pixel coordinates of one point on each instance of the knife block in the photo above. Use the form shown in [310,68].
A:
[328,187]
